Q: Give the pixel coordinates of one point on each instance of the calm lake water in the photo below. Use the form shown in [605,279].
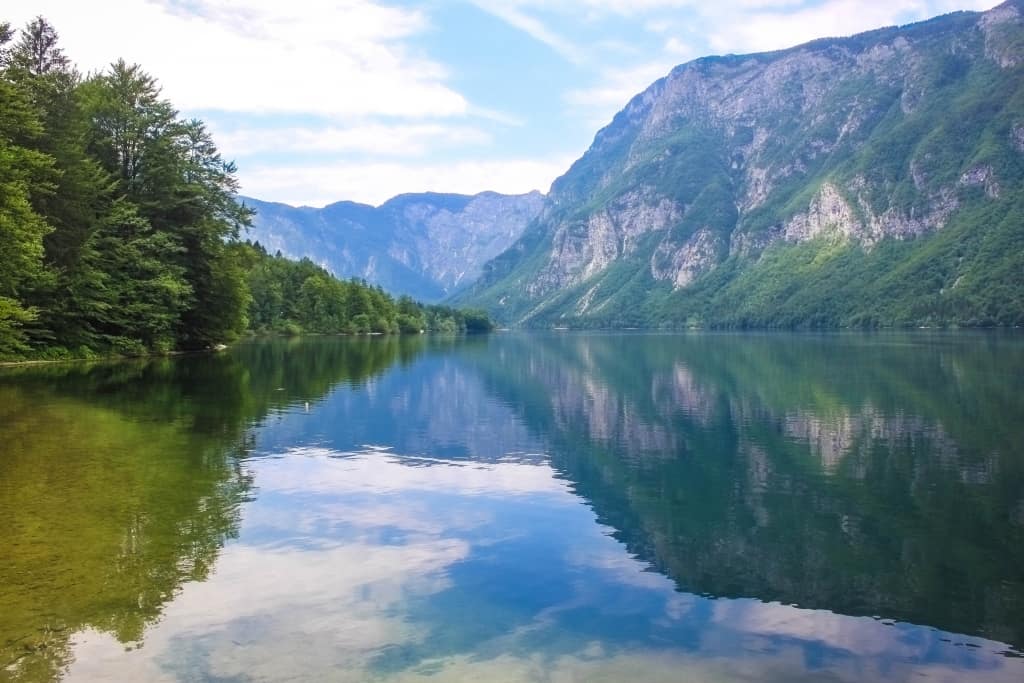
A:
[550,507]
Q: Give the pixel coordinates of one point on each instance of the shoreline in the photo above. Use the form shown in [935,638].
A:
[103,359]
[653,330]
[217,349]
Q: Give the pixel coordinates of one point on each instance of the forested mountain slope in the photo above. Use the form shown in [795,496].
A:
[427,245]
[862,181]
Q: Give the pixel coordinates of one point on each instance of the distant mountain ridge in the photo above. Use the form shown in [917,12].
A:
[862,181]
[426,245]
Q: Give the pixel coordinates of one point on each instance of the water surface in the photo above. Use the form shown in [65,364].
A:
[549,507]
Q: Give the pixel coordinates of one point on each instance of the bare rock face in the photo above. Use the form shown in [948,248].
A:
[696,256]
[983,176]
[827,212]
[451,245]
[586,247]
[1000,27]
[882,136]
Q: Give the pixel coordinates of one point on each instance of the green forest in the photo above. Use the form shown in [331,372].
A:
[296,297]
[121,234]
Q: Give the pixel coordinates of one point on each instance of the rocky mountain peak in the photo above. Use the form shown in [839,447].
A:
[839,146]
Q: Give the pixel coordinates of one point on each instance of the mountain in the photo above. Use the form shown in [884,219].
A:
[426,245]
[862,181]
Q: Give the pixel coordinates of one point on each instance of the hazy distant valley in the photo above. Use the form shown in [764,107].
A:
[426,245]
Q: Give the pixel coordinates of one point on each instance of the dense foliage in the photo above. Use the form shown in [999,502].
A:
[120,225]
[294,297]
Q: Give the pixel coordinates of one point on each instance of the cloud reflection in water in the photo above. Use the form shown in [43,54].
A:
[370,565]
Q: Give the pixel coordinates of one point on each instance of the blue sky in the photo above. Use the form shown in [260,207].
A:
[323,100]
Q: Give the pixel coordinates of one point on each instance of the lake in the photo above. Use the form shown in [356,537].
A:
[520,507]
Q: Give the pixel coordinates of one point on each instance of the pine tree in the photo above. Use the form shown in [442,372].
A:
[171,170]
[26,175]
[83,192]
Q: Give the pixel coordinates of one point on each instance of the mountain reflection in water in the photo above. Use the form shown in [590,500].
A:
[523,507]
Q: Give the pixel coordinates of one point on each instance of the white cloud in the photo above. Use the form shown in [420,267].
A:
[391,140]
[324,57]
[605,7]
[378,471]
[514,16]
[777,24]
[376,181]
[616,87]
[328,610]
[674,46]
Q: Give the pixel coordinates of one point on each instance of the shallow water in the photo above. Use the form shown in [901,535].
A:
[549,507]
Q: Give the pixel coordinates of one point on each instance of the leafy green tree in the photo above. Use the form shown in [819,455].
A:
[6,34]
[476,321]
[171,170]
[129,123]
[146,291]
[292,296]
[83,191]
[36,51]
[25,175]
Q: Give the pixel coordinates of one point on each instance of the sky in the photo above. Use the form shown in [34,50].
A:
[325,100]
